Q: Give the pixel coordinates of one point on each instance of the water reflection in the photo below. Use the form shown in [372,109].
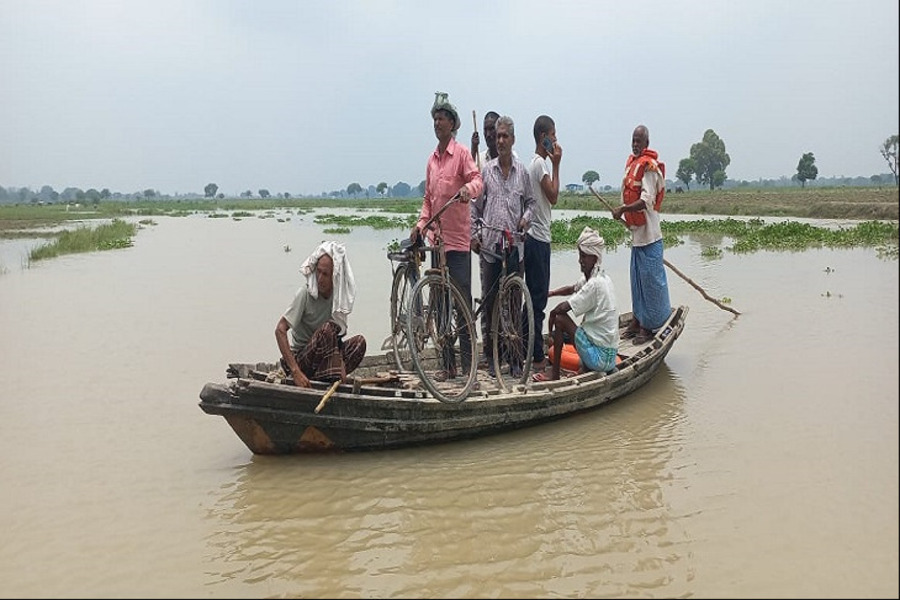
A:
[573,508]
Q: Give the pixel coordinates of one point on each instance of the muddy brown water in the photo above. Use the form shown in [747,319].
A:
[762,460]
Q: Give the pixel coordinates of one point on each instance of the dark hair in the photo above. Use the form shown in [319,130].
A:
[491,115]
[543,124]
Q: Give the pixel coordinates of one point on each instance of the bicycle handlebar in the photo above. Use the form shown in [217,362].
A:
[509,237]
[437,215]
[507,234]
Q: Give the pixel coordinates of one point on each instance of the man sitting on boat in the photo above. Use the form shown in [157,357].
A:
[311,332]
[597,338]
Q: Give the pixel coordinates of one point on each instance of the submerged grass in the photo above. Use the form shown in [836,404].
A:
[116,234]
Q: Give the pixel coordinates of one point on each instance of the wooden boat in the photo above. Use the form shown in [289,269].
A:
[381,408]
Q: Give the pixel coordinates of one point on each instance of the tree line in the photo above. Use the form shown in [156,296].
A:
[709,160]
[706,165]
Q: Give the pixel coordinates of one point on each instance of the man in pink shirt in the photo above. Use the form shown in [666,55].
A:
[450,171]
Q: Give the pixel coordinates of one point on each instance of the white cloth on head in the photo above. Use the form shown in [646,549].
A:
[344,292]
[590,242]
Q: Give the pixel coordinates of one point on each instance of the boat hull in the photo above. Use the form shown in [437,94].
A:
[276,418]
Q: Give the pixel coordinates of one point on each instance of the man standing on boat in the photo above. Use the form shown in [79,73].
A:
[544,174]
[311,332]
[490,137]
[451,171]
[643,189]
[507,203]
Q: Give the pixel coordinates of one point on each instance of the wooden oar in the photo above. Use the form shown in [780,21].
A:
[327,395]
[676,271]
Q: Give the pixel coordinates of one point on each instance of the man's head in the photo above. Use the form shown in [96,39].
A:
[506,136]
[640,139]
[544,128]
[446,112]
[490,131]
[325,275]
[590,250]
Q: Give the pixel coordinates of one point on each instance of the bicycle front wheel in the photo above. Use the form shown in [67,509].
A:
[441,335]
[512,334]
[405,277]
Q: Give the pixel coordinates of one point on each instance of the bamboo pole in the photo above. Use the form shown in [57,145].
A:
[327,395]
[676,271]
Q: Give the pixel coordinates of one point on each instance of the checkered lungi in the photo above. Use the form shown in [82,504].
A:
[323,356]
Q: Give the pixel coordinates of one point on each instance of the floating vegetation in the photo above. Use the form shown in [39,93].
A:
[241,213]
[711,252]
[336,230]
[116,234]
[748,235]
[373,221]
[147,222]
[217,215]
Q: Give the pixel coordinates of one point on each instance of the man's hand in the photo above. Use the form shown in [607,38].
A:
[475,141]
[475,245]
[464,195]
[414,235]
[556,155]
[300,379]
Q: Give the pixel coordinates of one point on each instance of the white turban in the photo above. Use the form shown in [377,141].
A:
[344,292]
[590,242]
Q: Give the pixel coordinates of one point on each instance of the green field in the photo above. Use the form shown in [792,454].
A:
[871,206]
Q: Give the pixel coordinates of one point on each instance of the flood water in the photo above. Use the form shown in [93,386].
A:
[762,460]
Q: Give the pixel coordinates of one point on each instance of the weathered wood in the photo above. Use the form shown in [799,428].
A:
[376,410]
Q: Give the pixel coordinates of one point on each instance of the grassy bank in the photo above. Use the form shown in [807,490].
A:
[859,203]
[116,234]
[870,206]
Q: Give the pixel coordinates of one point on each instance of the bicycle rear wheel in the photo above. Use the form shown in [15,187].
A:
[405,277]
[513,330]
[440,329]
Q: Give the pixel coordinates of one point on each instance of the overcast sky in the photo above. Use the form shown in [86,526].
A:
[310,96]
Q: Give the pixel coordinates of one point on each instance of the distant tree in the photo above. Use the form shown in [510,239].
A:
[46,194]
[25,194]
[105,193]
[381,188]
[807,169]
[353,189]
[264,193]
[92,196]
[286,195]
[210,190]
[421,188]
[710,160]
[246,194]
[590,177]
[401,189]
[220,196]
[686,170]
[889,152]
[876,179]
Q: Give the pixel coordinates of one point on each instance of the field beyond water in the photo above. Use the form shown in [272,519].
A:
[861,204]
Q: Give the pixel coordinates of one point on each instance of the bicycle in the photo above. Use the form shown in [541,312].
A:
[405,275]
[439,315]
[512,314]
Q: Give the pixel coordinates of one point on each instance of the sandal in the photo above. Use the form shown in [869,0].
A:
[540,377]
[643,337]
[633,329]
[444,375]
